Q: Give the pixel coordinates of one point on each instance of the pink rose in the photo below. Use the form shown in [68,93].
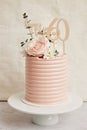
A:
[37,49]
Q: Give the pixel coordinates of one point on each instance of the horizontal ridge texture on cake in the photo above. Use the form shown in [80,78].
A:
[46,79]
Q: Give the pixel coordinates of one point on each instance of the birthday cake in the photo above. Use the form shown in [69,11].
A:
[45,62]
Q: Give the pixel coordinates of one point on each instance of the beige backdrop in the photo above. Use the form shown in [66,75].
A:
[12,32]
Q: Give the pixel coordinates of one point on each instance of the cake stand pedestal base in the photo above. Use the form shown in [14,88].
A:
[45,120]
[45,115]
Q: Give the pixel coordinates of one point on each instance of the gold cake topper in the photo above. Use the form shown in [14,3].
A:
[52,32]
[57,34]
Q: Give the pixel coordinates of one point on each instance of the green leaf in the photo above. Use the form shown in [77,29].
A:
[22,44]
[26,40]
[25,16]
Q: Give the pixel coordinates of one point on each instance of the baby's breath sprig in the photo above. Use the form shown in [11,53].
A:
[28,26]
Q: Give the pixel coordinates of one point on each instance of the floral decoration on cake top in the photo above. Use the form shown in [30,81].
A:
[43,41]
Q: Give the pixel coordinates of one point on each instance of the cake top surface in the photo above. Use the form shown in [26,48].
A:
[45,42]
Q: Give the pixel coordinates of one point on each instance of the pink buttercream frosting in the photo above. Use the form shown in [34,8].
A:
[46,80]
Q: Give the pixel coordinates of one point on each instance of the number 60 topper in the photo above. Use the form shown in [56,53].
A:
[53,36]
[48,32]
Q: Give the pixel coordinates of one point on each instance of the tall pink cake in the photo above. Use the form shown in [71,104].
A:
[45,66]
[46,80]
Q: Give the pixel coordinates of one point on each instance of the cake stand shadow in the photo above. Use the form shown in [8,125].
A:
[45,114]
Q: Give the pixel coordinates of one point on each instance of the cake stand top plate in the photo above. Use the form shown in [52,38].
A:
[73,102]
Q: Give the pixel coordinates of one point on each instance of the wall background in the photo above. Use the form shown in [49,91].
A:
[12,32]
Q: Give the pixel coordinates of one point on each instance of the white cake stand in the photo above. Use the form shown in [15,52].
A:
[42,114]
